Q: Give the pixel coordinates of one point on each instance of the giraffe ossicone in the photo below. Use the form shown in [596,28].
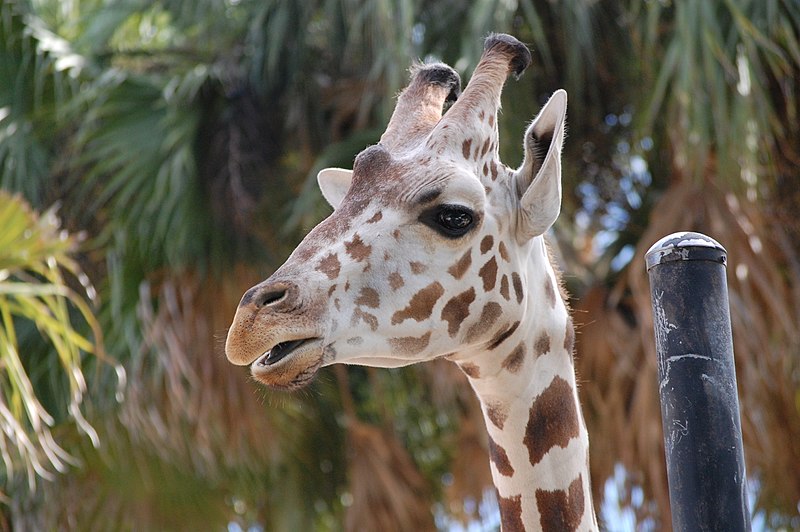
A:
[435,248]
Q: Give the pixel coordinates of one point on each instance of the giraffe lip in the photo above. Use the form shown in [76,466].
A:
[281,351]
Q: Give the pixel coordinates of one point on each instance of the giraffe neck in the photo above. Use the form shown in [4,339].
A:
[538,441]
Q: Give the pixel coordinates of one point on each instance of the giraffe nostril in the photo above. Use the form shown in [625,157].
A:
[269,297]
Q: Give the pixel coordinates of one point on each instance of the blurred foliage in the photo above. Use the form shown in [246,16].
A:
[183,138]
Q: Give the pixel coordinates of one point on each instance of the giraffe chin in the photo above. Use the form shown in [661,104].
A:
[293,370]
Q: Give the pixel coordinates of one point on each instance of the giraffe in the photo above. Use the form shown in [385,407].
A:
[435,249]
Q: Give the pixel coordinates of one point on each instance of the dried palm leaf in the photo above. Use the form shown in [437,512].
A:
[184,399]
[388,492]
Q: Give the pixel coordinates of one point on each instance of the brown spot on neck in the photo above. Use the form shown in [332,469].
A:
[499,456]
[493,169]
[513,362]
[456,310]
[553,420]
[517,282]
[511,513]
[375,218]
[421,304]
[569,336]
[497,413]
[561,509]
[485,148]
[470,369]
[549,292]
[542,344]
[458,269]
[466,147]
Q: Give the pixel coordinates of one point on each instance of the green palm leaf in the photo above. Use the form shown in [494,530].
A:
[34,256]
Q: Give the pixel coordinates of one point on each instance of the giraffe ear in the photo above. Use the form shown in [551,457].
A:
[334,184]
[539,178]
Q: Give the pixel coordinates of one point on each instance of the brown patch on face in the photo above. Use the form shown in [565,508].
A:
[542,344]
[553,420]
[396,234]
[471,370]
[368,297]
[466,147]
[549,292]
[491,311]
[561,509]
[491,120]
[417,267]
[421,305]
[504,287]
[357,249]
[517,282]
[489,274]
[486,244]
[481,114]
[485,169]
[331,290]
[493,169]
[375,218]
[305,253]
[456,310]
[410,345]
[501,337]
[497,413]
[458,269]
[513,362]
[503,251]
[330,266]
[511,513]
[396,281]
[370,319]
[499,456]
[569,336]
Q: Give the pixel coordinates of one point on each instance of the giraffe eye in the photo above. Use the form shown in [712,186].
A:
[451,221]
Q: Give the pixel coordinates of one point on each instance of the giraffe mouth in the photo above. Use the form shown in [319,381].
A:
[281,351]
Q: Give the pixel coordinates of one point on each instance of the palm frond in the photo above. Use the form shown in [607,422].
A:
[34,256]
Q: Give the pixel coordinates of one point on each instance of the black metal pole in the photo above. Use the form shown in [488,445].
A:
[697,384]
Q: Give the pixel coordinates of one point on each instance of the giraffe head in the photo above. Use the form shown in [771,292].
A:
[426,252]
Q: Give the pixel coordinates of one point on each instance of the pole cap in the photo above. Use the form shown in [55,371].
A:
[685,245]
